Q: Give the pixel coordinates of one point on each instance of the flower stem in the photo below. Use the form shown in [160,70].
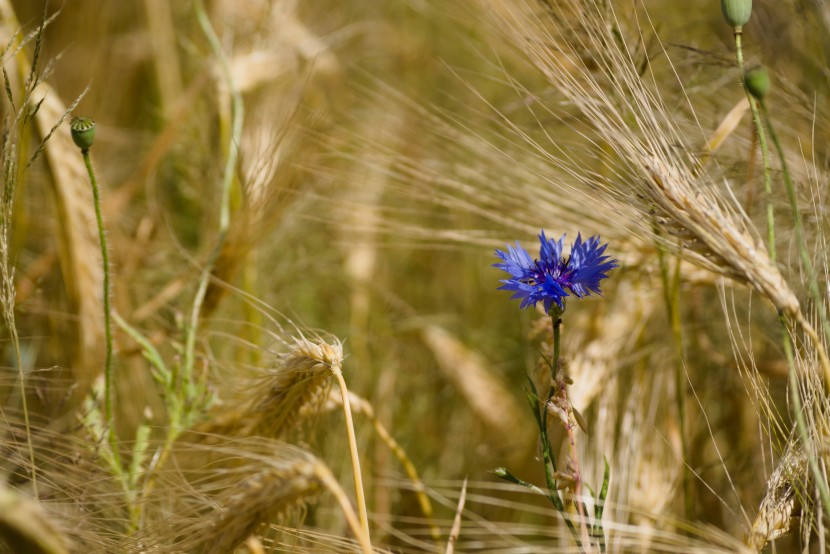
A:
[109,417]
[556,321]
[549,459]
[799,230]
[762,141]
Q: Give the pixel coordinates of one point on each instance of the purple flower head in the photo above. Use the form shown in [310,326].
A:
[551,276]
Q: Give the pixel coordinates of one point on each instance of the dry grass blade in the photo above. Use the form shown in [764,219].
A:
[166,62]
[727,126]
[456,522]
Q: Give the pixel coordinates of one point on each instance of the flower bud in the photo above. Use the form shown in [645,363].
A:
[736,12]
[756,81]
[83,132]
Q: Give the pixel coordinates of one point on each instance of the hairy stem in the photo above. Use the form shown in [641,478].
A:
[109,416]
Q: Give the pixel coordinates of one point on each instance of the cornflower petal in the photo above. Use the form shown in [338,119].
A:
[549,278]
[517,262]
[589,266]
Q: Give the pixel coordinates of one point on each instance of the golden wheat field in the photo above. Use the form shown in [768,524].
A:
[251,253]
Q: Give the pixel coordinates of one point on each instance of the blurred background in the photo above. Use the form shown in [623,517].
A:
[386,151]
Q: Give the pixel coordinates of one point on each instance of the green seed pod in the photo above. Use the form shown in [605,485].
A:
[83,132]
[756,81]
[736,12]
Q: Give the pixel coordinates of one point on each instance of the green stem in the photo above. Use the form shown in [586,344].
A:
[227,183]
[109,417]
[805,259]
[547,450]
[556,322]
[812,282]
[762,141]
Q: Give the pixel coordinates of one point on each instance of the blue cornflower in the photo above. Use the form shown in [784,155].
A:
[549,278]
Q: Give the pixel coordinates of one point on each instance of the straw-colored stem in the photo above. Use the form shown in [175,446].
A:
[22,377]
[762,141]
[10,156]
[109,417]
[348,512]
[360,497]
[403,458]
[455,531]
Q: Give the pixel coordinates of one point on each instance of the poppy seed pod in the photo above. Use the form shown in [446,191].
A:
[83,132]
[736,12]
[756,81]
